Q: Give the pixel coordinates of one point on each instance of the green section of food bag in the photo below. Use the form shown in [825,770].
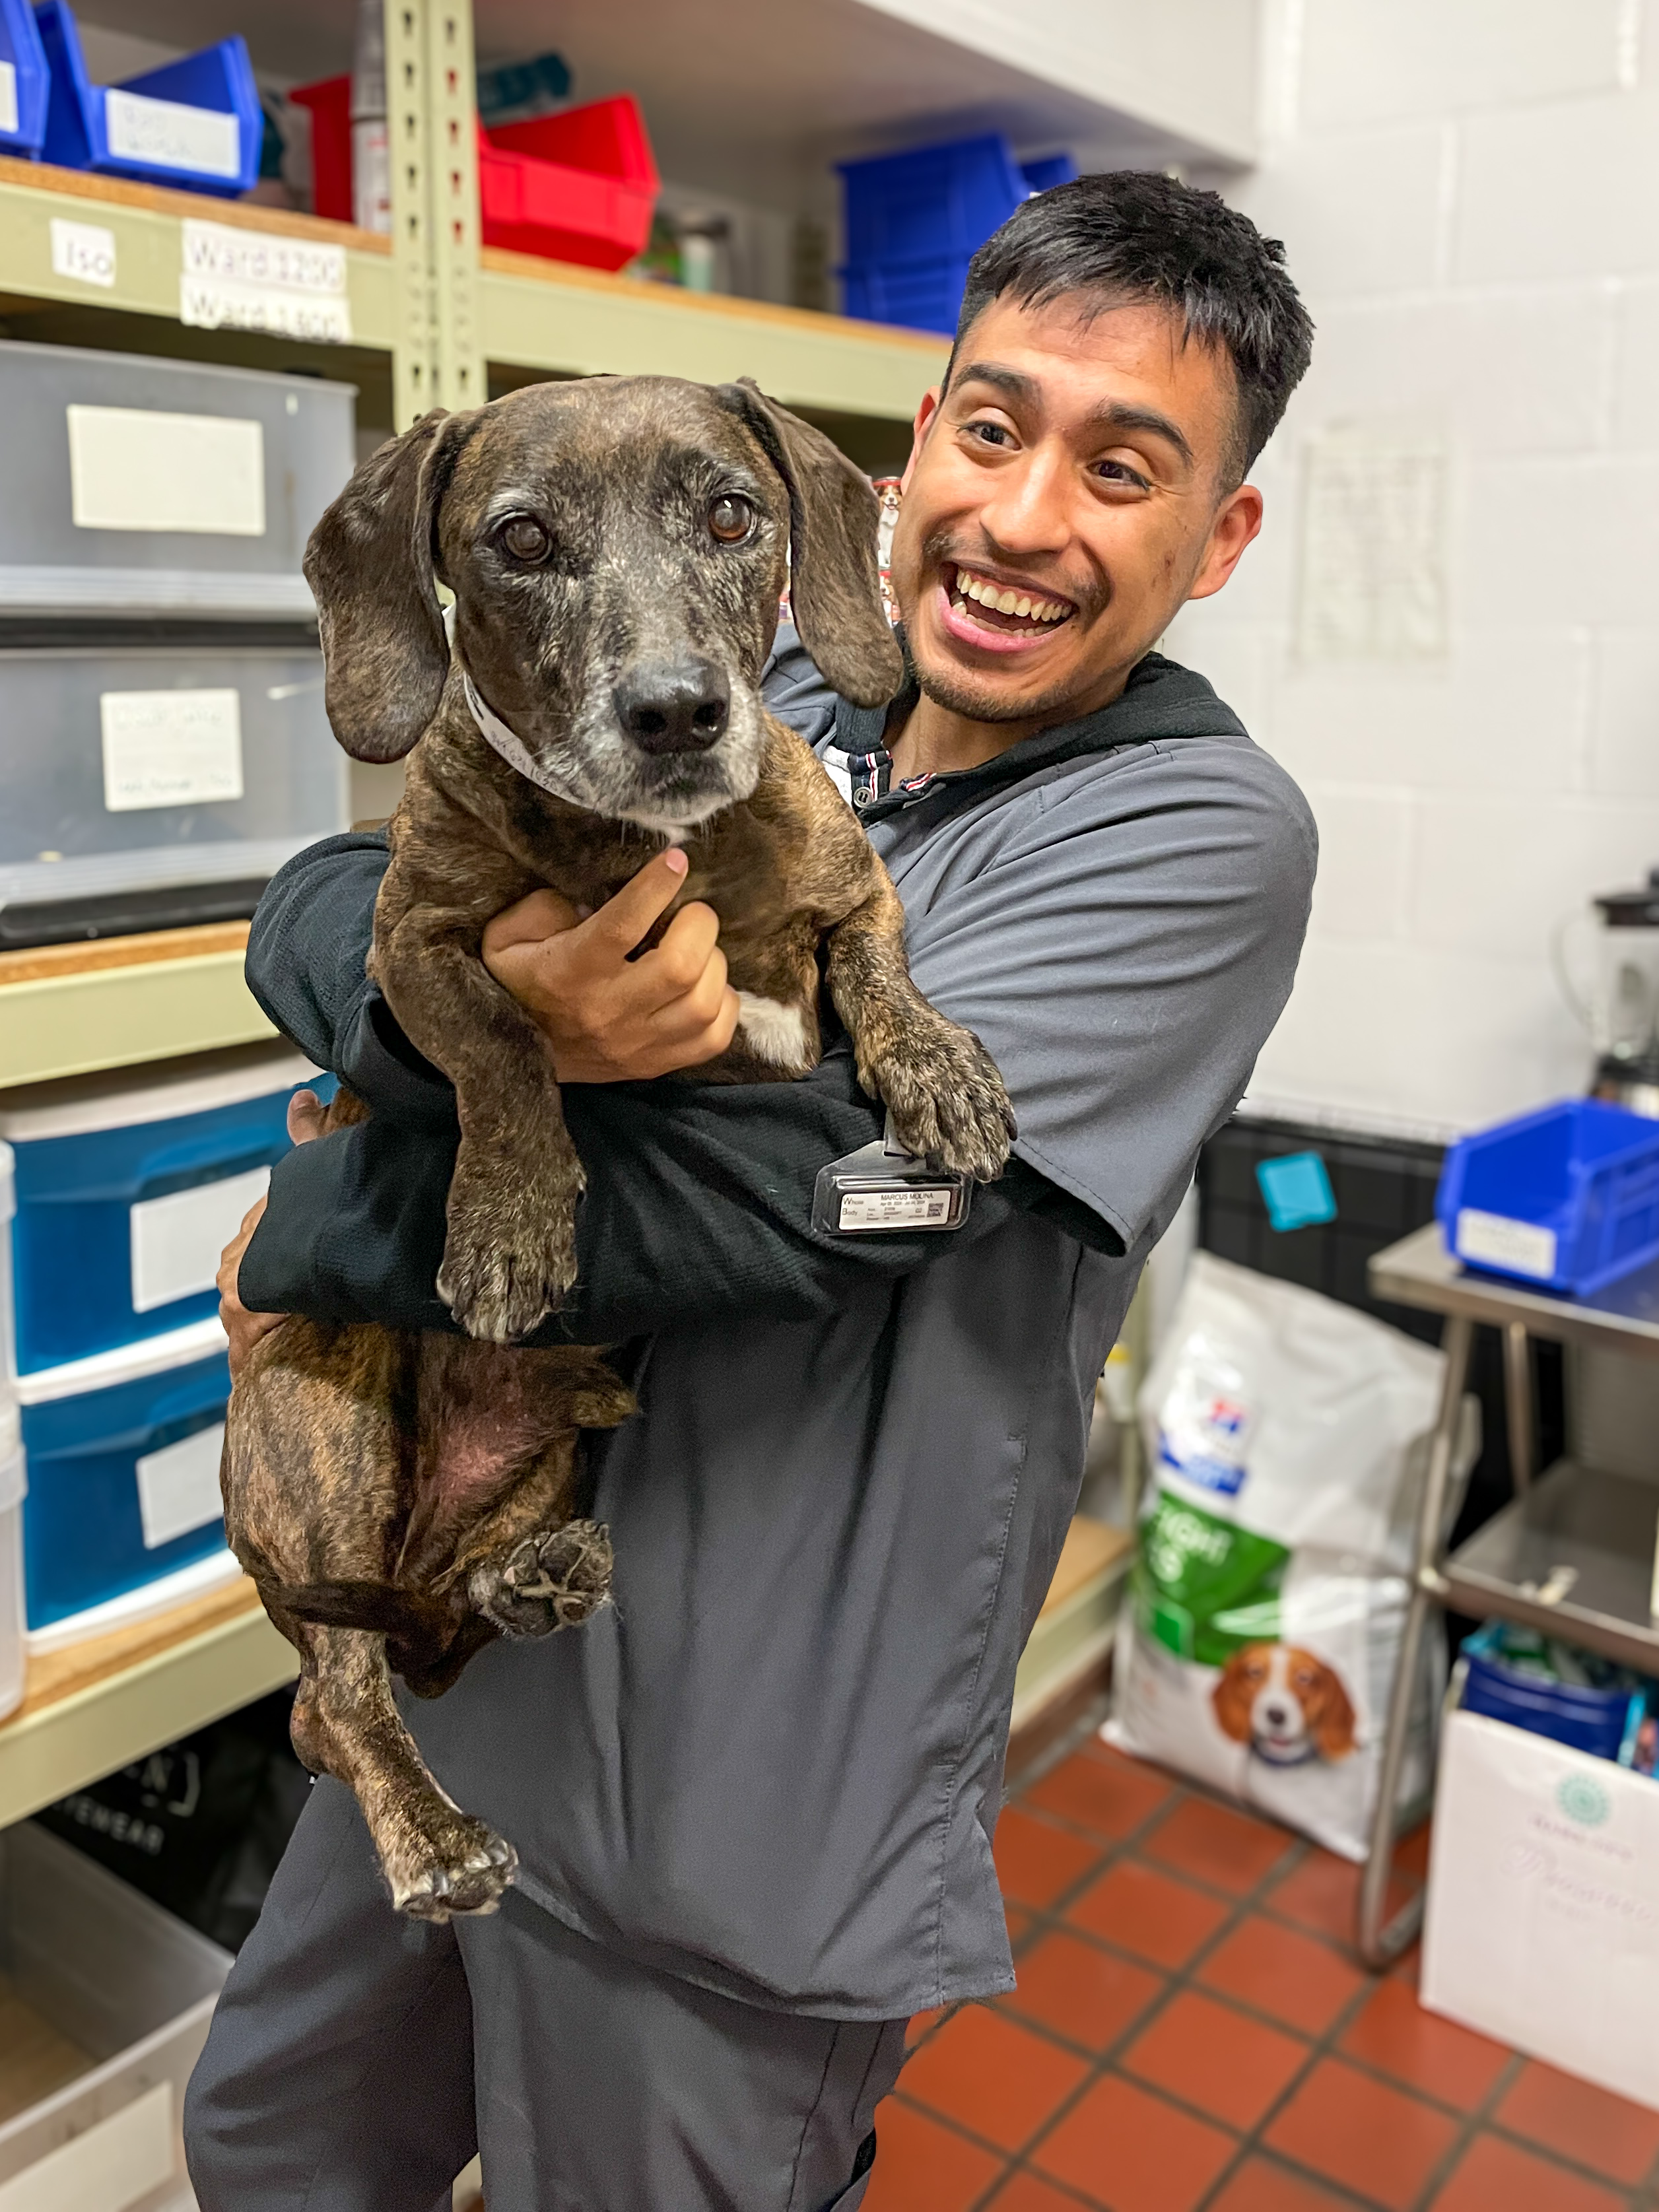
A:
[1204,1587]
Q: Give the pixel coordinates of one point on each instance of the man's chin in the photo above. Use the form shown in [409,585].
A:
[979,699]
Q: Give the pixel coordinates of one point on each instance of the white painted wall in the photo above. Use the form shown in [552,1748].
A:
[1468,191]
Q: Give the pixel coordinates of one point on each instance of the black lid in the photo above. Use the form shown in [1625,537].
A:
[1631,909]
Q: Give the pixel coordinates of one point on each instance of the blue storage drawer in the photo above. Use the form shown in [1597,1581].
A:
[1566,1199]
[195,125]
[128,1192]
[123,1462]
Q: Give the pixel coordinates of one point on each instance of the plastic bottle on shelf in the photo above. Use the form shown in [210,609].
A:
[371,166]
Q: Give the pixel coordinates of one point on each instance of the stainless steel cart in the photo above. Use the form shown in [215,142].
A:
[1574,1552]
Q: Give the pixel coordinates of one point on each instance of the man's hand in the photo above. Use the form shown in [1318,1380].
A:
[607,1018]
[305,1112]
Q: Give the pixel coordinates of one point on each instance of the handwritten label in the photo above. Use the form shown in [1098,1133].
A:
[171,749]
[8,96]
[252,280]
[1492,1240]
[85,251]
[139,468]
[162,134]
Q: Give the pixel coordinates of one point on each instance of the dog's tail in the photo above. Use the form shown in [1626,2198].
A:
[376,1606]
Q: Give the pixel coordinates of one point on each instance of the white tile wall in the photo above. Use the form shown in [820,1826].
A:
[1469,192]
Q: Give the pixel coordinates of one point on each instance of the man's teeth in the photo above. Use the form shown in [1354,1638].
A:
[1004,602]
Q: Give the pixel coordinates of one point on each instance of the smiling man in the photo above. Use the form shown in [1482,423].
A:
[753,1802]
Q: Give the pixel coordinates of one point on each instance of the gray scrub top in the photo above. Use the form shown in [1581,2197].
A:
[773,1766]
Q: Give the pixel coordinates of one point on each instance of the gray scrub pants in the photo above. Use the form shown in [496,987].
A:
[357,2059]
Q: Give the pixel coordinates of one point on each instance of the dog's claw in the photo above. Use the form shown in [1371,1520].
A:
[547,1581]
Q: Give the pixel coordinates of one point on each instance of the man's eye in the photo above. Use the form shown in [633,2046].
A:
[524,539]
[990,434]
[730,517]
[1119,472]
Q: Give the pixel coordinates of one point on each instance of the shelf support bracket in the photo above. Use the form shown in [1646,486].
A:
[433,154]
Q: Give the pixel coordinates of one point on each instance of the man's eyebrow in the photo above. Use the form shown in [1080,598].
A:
[1112,415]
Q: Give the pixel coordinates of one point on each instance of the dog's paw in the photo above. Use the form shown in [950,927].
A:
[557,1580]
[947,1100]
[505,1267]
[467,1873]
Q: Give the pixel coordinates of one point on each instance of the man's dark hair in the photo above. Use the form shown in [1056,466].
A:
[1133,236]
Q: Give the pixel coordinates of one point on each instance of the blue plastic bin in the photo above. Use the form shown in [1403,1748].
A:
[1589,1720]
[196,125]
[1566,1199]
[127,1192]
[124,1476]
[25,81]
[914,221]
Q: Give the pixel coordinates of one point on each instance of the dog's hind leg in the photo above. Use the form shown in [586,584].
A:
[437,1860]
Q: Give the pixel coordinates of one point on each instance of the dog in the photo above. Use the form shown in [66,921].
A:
[615,548]
[1288,1706]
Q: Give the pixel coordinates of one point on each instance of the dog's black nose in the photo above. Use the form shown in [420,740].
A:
[673,706]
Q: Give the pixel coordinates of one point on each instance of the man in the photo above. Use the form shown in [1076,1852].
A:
[753,1802]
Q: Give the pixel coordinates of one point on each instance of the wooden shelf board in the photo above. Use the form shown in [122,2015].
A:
[96,1706]
[73,1009]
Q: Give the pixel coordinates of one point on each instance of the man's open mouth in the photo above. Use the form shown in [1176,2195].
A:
[1015,609]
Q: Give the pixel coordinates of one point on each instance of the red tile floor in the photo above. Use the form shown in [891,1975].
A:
[1191,2033]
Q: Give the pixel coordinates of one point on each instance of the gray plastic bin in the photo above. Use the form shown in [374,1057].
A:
[142,766]
[133,486]
[116,1982]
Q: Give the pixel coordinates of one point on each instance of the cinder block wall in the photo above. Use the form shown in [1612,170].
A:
[1470,193]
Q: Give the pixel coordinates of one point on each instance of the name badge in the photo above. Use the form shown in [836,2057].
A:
[882,1187]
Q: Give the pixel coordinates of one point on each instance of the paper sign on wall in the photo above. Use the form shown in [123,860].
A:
[178,1486]
[252,280]
[1373,581]
[138,468]
[171,749]
[166,135]
[85,251]
[176,1240]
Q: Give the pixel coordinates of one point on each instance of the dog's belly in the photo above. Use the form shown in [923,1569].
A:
[776,1033]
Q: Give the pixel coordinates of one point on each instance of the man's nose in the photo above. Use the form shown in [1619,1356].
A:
[1029,508]
[673,706]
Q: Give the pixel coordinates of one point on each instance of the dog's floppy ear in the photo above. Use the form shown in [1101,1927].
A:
[369,566]
[1232,1697]
[1331,1716]
[834,589]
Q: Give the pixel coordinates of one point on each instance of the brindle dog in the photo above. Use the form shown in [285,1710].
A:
[617,549]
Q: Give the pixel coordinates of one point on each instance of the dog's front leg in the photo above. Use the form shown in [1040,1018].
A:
[936,1078]
[510,1254]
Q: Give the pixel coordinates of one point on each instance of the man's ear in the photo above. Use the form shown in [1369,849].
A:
[370,564]
[835,588]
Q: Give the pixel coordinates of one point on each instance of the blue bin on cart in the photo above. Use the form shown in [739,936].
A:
[127,1192]
[914,221]
[1566,1199]
[25,81]
[123,1503]
[1588,1718]
[195,125]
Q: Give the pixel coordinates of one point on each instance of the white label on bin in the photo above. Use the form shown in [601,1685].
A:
[167,134]
[179,1488]
[8,96]
[85,251]
[106,2167]
[140,468]
[894,1209]
[1492,1240]
[176,1240]
[171,749]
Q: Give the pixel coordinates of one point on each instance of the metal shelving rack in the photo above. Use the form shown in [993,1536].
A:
[1573,1555]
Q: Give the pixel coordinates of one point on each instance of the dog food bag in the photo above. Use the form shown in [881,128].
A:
[1287,1438]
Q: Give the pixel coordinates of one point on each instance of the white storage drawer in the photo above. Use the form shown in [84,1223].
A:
[119,1995]
[134,485]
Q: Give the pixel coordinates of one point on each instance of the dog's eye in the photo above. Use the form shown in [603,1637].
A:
[730,517]
[525,538]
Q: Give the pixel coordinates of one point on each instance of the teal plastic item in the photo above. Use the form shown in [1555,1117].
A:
[1566,1199]
[25,82]
[1295,1189]
[196,125]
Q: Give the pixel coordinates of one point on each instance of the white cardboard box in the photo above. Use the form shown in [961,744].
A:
[1543,1908]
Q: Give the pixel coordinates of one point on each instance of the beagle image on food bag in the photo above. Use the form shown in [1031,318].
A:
[1286,1436]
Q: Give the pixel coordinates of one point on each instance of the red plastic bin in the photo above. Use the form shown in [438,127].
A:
[579,186]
